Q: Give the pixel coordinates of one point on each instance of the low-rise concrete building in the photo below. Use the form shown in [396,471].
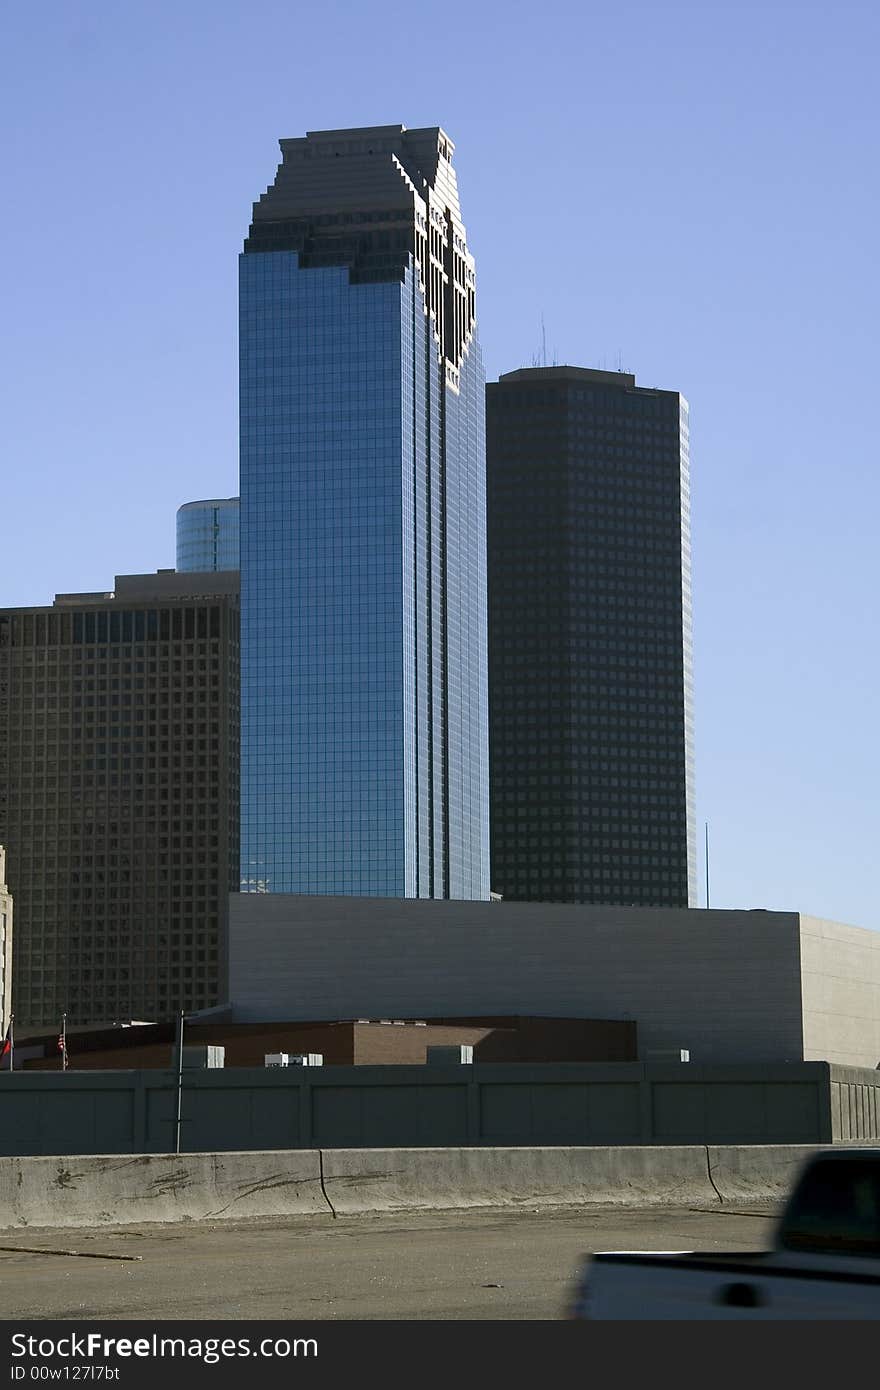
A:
[727,986]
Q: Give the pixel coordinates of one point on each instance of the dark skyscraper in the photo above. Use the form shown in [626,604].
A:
[590,678]
[364,701]
[119,796]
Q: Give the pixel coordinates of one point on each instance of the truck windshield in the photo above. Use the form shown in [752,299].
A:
[835,1207]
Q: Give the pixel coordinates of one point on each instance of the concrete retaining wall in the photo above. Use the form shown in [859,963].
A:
[413,1179]
[100,1190]
[756,1172]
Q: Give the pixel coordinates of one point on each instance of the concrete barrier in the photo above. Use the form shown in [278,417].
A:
[101,1189]
[375,1180]
[749,1173]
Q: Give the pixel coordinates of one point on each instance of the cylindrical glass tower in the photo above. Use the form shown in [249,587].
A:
[207,535]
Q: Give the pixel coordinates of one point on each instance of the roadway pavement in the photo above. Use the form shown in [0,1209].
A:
[497,1264]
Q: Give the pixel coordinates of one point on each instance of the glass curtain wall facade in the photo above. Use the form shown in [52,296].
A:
[207,536]
[590,640]
[364,670]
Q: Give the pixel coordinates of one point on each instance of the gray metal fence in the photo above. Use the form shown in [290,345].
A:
[412,1106]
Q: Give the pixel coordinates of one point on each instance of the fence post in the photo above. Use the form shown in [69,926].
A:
[474,1110]
[646,1107]
[138,1114]
[304,1099]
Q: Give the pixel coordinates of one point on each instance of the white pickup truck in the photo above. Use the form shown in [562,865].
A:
[824,1261]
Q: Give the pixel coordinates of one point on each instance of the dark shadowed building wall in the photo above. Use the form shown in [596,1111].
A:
[591,738]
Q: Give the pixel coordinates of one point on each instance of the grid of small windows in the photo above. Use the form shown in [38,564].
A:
[118,768]
[591,773]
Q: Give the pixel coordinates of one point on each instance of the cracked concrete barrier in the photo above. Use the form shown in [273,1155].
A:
[116,1189]
[375,1180]
[750,1173]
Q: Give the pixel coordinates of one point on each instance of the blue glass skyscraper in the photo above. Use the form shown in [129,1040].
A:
[363,570]
[207,536]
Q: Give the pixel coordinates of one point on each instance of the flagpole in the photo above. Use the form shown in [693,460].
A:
[64,1042]
[11,1042]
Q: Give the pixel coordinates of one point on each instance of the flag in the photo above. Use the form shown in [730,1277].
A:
[61,1047]
[6,1045]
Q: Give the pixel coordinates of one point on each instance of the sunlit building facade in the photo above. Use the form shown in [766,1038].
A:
[364,682]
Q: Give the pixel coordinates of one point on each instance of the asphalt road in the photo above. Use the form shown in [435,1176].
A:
[462,1265]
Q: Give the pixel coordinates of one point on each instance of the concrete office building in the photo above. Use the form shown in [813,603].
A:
[364,704]
[727,986]
[591,734]
[5,946]
[207,536]
[118,796]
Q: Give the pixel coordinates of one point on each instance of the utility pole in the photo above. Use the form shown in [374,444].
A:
[179,1081]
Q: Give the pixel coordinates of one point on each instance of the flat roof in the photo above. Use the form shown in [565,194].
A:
[624,381]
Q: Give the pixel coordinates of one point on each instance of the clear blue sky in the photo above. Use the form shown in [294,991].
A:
[688,190]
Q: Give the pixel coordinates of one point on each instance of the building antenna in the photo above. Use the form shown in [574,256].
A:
[543,343]
[707,863]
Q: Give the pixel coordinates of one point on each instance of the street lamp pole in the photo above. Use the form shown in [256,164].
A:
[179,1081]
[707,863]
